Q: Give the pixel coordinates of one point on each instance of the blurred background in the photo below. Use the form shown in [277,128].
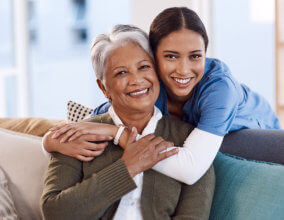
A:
[45,47]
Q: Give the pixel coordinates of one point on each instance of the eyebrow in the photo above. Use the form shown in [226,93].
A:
[143,61]
[118,67]
[126,66]
[174,52]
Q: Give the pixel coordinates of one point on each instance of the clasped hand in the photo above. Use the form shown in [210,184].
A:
[80,141]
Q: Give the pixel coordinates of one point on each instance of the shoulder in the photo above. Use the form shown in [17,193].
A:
[103,108]
[217,78]
[173,130]
[102,118]
[213,64]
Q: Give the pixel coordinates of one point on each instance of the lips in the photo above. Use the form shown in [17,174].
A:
[182,80]
[139,92]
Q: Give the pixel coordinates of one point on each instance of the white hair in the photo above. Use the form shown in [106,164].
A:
[119,35]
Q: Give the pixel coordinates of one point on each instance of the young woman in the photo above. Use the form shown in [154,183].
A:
[119,184]
[196,89]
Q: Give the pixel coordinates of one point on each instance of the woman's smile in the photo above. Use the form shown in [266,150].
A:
[139,93]
[181,61]
[131,81]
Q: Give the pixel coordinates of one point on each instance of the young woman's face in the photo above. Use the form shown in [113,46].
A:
[130,79]
[180,58]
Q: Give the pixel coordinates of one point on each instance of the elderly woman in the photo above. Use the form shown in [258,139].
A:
[120,184]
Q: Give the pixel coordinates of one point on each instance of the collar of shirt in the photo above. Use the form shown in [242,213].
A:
[150,127]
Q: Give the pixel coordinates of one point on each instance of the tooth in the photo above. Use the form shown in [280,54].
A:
[182,81]
[140,92]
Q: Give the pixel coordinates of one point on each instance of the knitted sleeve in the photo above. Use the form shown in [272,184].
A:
[67,195]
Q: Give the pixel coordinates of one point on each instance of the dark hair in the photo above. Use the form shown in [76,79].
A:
[174,19]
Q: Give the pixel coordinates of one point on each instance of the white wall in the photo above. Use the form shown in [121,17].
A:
[244,40]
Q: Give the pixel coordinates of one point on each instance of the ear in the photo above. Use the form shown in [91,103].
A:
[102,87]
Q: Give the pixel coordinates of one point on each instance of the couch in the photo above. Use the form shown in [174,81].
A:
[249,185]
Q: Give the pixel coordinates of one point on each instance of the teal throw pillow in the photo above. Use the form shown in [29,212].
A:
[247,190]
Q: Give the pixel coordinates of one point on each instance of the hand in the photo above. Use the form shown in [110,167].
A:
[143,154]
[72,131]
[81,148]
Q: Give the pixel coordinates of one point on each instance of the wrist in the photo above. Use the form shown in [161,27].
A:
[118,134]
[124,137]
[47,142]
[131,169]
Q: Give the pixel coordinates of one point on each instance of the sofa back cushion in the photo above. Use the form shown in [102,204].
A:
[247,189]
[24,164]
[7,207]
[30,125]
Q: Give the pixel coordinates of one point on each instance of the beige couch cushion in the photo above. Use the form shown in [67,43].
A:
[7,207]
[30,125]
[24,164]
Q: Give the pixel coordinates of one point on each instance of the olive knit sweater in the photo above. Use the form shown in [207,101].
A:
[92,190]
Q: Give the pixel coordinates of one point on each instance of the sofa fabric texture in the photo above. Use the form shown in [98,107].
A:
[30,125]
[244,189]
[247,189]
[7,207]
[24,164]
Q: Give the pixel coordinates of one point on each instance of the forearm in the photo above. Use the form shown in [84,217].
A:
[193,159]
[64,189]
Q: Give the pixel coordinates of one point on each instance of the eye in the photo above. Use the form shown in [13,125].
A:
[144,67]
[170,56]
[196,56]
[120,73]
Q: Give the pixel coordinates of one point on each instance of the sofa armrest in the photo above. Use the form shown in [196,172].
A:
[255,144]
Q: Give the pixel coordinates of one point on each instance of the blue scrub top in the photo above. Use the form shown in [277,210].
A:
[220,104]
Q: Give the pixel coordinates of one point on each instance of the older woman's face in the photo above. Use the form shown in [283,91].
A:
[130,79]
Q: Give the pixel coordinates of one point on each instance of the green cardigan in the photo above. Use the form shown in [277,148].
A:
[92,190]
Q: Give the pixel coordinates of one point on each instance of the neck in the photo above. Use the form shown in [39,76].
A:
[134,118]
[175,105]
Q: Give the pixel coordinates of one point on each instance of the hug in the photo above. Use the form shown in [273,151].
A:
[170,109]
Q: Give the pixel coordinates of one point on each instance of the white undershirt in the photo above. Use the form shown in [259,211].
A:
[191,162]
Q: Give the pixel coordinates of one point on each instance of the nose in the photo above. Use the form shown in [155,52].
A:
[184,67]
[136,78]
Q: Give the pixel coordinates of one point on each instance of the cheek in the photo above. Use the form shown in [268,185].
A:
[164,68]
[199,69]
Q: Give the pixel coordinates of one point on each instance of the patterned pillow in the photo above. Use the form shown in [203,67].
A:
[7,207]
[77,112]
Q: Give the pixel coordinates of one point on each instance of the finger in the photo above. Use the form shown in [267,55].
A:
[83,158]
[167,154]
[90,153]
[163,146]
[132,135]
[96,147]
[61,131]
[67,134]
[56,127]
[148,137]
[148,142]
[77,134]
[156,141]
[95,137]
[91,137]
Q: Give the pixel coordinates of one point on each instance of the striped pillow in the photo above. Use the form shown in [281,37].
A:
[7,208]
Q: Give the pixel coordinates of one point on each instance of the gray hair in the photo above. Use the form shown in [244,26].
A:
[119,35]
